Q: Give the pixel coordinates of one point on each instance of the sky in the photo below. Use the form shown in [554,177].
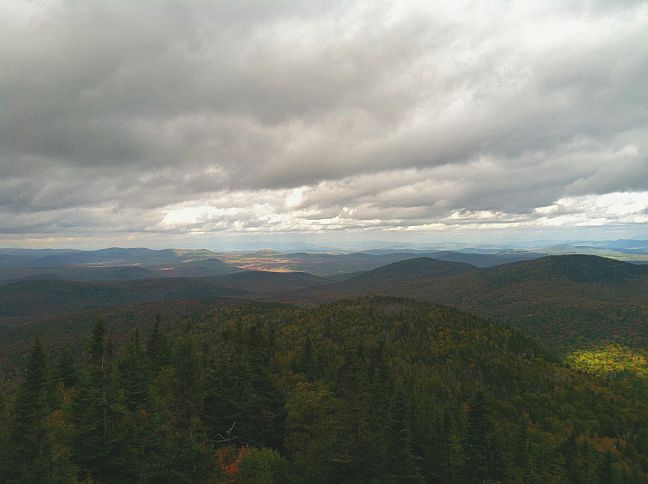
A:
[215,123]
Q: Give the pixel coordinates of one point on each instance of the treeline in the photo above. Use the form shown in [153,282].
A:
[375,390]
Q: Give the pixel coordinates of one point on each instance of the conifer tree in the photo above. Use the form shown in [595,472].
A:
[101,446]
[404,466]
[135,375]
[67,370]
[30,440]
[157,348]
[483,461]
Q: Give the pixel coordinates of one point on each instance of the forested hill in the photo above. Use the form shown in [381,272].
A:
[27,300]
[410,271]
[371,390]
[575,268]
[564,301]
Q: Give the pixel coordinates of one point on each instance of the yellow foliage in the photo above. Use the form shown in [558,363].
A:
[609,359]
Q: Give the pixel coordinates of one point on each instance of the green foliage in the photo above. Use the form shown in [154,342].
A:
[30,444]
[566,302]
[261,466]
[373,390]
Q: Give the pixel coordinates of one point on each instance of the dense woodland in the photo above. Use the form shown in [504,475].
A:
[371,390]
[566,302]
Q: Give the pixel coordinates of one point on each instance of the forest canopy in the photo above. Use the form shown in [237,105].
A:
[369,390]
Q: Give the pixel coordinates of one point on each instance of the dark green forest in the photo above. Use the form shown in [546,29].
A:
[370,390]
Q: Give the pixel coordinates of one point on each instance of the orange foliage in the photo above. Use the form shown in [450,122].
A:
[229,460]
[603,444]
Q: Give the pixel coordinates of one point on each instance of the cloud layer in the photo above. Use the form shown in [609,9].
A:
[156,117]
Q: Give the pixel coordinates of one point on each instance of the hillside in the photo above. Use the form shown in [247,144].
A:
[418,270]
[564,301]
[262,282]
[575,268]
[372,390]
[484,260]
[71,329]
[26,257]
[75,273]
[31,299]
[38,299]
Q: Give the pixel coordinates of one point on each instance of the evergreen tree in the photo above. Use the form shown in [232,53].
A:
[450,461]
[101,443]
[67,370]
[31,451]
[403,462]
[483,459]
[572,462]
[157,348]
[381,398]
[135,375]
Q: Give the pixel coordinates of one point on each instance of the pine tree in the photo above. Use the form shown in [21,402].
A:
[67,371]
[30,440]
[101,444]
[572,464]
[404,466]
[483,460]
[134,375]
[157,348]
[450,460]
[98,345]
[225,396]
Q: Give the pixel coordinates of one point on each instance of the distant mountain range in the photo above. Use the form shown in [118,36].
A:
[25,300]
[563,300]
[114,264]
[118,264]
[566,301]
[140,263]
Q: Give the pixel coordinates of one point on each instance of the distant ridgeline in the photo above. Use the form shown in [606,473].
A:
[376,389]
[567,302]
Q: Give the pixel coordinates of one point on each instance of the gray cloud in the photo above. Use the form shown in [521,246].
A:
[119,116]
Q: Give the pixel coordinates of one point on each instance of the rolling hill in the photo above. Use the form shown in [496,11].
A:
[568,302]
[33,299]
[564,301]
[341,264]
[264,282]
[399,274]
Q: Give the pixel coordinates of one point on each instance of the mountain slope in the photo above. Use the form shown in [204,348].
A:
[420,269]
[565,301]
[31,299]
[370,390]
[575,268]
[262,282]
[26,300]
[483,260]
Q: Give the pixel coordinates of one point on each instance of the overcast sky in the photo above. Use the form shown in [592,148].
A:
[168,123]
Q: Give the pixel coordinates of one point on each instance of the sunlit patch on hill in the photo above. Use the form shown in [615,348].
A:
[610,360]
